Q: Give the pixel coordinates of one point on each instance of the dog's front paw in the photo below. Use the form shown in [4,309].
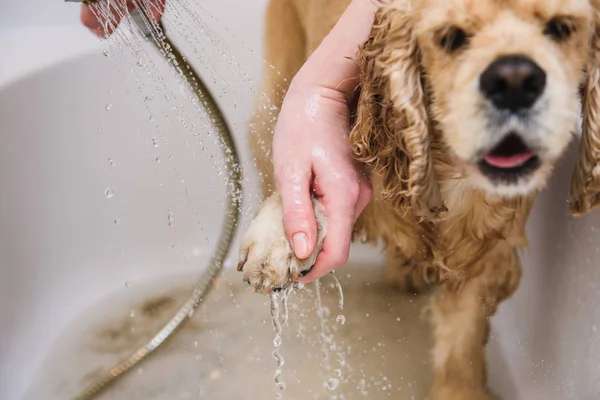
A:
[266,256]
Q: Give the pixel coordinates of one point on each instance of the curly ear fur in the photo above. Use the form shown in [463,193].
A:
[392,130]
[585,184]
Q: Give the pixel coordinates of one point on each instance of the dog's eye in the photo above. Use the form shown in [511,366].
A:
[453,39]
[559,29]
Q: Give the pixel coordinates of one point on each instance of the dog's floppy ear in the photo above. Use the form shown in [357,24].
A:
[585,184]
[391,133]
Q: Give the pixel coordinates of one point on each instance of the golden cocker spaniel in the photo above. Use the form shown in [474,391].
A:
[464,108]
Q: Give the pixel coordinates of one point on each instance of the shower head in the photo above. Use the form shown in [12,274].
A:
[87,2]
[138,15]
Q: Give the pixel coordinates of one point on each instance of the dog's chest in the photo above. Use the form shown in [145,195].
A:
[472,226]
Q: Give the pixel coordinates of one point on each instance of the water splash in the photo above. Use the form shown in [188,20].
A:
[189,25]
[332,352]
[277,341]
[332,384]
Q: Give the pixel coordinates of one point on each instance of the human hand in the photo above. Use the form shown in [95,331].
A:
[311,152]
[118,8]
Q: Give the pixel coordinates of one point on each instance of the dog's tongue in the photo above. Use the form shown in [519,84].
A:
[508,161]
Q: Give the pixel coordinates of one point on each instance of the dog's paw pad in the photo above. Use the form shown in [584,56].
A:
[267,260]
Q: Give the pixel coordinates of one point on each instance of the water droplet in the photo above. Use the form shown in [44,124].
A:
[277,341]
[158,160]
[151,118]
[111,161]
[171,218]
[106,53]
[117,221]
[155,142]
[109,193]
[340,319]
[127,284]
[140,63]
[332,384]
[108,106]
[148,98]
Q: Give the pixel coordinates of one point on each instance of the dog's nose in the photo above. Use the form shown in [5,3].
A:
[513,83]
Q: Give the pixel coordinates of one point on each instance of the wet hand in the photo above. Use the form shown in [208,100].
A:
[311,153]
[103,21]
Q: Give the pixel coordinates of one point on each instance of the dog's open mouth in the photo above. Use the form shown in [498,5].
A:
[510,159]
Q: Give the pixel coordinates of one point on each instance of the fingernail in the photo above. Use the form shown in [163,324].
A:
[300,245]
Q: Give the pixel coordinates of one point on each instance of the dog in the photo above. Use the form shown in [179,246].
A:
[463,110]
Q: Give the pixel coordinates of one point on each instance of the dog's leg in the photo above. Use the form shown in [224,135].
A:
[266,256]
[405,267]
[461,322]
[408,274]
[285,52]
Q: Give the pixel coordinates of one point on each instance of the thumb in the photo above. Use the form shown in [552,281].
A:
[298,214]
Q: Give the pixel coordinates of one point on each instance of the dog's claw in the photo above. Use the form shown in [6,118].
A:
[305,272]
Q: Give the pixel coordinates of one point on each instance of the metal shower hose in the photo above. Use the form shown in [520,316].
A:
[233,203]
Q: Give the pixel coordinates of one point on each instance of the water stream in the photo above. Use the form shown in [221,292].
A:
[195,131]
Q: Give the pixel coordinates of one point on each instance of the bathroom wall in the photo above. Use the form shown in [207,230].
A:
[549,332]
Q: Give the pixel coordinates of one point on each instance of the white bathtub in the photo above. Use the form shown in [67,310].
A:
[64,245]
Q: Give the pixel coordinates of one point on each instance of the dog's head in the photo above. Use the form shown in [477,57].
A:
[499,79]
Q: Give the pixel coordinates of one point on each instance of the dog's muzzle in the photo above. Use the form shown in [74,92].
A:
[513,83]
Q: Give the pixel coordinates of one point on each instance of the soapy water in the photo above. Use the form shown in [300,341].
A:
[147,72]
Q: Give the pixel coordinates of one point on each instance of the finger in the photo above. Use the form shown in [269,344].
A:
[156,9]
[340,208]
[107,24]
[293,183]
[96,19]
[364,197]
[89,20]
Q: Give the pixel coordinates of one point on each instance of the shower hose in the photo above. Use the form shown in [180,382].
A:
[156,33]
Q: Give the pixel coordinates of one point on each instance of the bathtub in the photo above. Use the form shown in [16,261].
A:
[95,203]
